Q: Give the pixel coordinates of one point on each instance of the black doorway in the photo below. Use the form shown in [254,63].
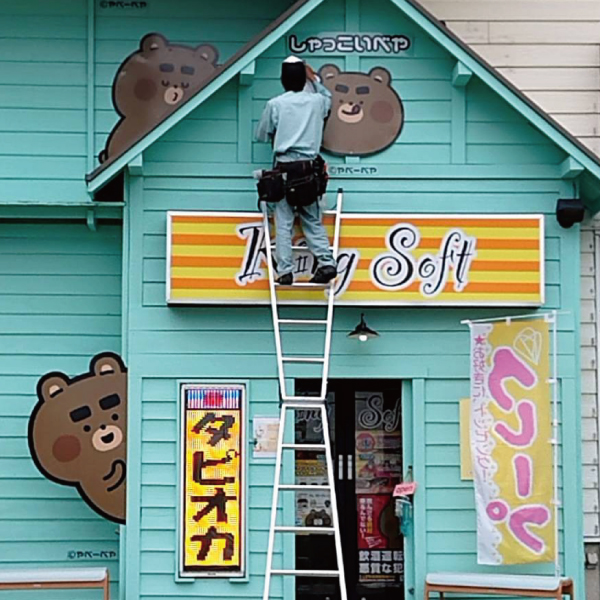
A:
[366,437]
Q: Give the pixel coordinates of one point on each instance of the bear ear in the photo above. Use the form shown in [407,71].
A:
[208,53]
[107,363]
[327,72]
[153,41]
[52,385]
[381,75]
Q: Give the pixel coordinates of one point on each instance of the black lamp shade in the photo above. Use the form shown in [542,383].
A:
[362,331]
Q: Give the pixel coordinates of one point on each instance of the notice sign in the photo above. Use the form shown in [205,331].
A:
[385,260]
[213,486]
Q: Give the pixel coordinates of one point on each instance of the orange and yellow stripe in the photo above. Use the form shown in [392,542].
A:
[206,254]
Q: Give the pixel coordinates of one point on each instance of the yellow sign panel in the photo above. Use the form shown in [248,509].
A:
[213,502]
[387,260]
[511,442]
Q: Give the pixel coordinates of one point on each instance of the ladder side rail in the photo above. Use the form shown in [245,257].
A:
[334,505]
[331,295]
[273,295]
[275,502]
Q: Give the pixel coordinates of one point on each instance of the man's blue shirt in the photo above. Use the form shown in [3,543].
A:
[294,121]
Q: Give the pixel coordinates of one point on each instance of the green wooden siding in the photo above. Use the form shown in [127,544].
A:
[59,305]
[45,111]
[499,165]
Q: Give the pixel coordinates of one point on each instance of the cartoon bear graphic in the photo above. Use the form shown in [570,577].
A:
[366,112]
[78,435]
[151,84]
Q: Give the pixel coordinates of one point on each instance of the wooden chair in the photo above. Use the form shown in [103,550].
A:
[29,579]
[532,586]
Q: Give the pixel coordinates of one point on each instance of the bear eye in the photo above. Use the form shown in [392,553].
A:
[344,89]
[185,85]
[109,402]
[115,417]
[186,70]
[363,89]
[87,428]
[81,413]
[166,82]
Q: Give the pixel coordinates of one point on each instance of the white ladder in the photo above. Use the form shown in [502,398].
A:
[293,402]
[277,321]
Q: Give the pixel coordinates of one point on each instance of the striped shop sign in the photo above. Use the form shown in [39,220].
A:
[385,259]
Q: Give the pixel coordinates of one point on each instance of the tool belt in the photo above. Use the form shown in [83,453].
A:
[300,182]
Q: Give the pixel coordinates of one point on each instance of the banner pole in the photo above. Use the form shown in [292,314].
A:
[554,440]
[545,315]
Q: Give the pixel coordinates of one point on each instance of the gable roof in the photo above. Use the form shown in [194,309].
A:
[419,15]
[224,73]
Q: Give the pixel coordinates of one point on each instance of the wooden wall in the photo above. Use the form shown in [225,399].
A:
[506,167]
[60,304]
[550,49]
[57,63]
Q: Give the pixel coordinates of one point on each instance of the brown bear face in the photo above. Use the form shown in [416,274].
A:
[366,113]
[152,83]
[77,433]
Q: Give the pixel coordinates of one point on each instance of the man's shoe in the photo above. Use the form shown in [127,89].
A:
[324,275]
[287,279]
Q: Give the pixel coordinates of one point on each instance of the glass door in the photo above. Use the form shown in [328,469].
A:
[365,426]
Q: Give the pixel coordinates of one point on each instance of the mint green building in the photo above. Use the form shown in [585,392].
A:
[88,267]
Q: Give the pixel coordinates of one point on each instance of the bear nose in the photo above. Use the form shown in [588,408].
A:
[103,427]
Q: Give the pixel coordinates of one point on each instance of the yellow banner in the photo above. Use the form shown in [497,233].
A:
[511,445]
[213,488]
[389,260]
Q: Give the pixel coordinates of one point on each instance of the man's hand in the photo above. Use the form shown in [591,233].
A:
[310,72]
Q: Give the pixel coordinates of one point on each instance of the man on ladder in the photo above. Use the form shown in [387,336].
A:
[294,123]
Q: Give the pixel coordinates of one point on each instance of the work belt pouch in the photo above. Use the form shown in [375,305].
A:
[320,170]
[302,191]
[271,187]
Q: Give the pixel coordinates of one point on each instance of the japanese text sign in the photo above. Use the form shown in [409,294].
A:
[213,487]
[511,442]
[385,260]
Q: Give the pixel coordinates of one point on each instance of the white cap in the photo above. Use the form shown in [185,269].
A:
[293,59]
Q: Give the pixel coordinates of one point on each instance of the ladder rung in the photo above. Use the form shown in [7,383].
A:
[318,530]
[303,321]
[296,247]
[302,359]
[305,284]
[302,402]
[298,573]
[299,487]
[304,446]
[330,212]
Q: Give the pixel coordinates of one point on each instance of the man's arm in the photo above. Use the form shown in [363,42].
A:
[265,129]
[320,89]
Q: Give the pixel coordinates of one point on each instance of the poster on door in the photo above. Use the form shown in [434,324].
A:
[313,508]
[378,469]
[511,442]
[380,557]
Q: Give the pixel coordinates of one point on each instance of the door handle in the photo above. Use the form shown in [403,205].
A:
[350,467]
[340,467]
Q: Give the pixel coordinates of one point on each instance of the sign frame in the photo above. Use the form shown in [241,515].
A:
[183,575]
[374,303]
